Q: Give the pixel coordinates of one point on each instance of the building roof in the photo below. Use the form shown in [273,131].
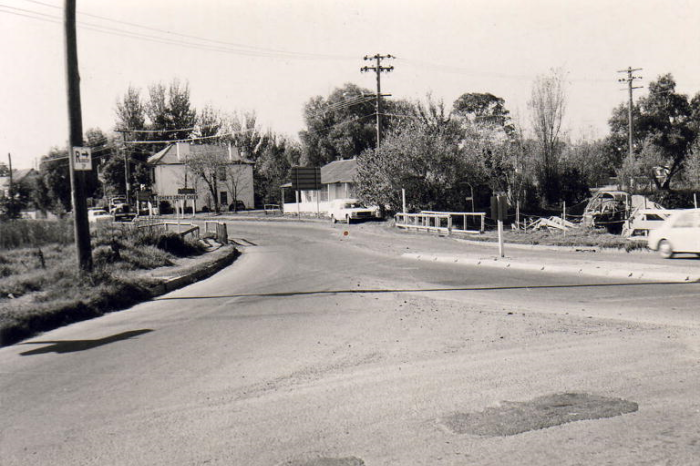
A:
[175,154]
[340,171]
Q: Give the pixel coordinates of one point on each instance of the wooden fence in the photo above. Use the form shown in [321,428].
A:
[446,222]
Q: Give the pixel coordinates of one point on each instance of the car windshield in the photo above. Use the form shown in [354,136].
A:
[354,205]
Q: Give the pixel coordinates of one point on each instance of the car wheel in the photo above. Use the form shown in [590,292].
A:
[347,219]
[333,219]
[665,249]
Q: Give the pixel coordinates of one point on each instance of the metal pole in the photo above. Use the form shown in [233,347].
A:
[75,122]
[403,199]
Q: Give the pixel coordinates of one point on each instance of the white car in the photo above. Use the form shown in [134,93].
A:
[680,232]
[98,215]
[347,210]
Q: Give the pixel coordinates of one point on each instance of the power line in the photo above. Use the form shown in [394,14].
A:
[173,141]
[225,47]
[165,130]
[189,36]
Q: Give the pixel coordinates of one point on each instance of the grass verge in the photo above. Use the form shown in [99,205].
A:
[41,287]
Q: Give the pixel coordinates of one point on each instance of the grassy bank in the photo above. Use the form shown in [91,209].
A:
[41,287]
[575,237]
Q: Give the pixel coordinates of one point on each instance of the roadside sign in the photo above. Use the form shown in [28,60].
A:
[82,158]
[499,208]
[176,197]
[306,178]
[144,196]
[186,191]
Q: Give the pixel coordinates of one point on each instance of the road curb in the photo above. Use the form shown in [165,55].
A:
[173,283]
[607,270]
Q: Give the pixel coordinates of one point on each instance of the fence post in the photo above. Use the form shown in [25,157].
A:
[482,223]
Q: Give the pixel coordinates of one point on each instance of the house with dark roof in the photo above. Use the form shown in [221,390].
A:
[171,172]
[337,182]
[18,176]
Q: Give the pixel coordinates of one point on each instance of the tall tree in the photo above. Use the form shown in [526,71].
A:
[483,109]
[131,112]
[338,127]
[547,106]
[56,177]
[666,124]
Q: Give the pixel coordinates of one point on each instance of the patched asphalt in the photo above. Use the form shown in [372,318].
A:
[512,418]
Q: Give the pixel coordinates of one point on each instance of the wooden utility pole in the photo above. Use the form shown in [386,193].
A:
[9,161]
[378,69]
[630,87]
[75,123]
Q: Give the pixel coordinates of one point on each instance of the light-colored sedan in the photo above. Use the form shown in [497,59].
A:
[679,233]
[348,210]
[98,215]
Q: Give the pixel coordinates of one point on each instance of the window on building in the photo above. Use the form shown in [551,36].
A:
[221,173]
[223,196]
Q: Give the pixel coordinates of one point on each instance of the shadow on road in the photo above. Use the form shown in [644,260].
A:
[72,346]
[285,294]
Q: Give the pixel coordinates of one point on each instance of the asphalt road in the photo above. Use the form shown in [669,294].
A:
[322,346]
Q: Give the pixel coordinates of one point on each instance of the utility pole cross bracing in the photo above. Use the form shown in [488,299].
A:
[378,69]
[630,87]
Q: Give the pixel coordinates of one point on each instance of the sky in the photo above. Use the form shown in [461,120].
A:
[272,56]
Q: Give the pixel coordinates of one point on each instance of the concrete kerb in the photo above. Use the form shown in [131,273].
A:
[598,270]
[172,283]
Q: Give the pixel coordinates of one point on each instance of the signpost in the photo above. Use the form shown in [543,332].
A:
[82,158]
[499,212]
[306,179]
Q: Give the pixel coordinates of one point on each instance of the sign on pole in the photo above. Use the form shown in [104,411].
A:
[306,178]
[82,158]
[499,212]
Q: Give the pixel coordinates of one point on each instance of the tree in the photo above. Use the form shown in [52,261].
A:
[665,125]
[209,164]
[131,112]
[339,127]
[429,165]
[54,171]
[170,113]
[547,105]
[483,109]
[272,168]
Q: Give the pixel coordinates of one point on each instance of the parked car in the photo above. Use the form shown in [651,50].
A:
[238,206]
[680,232]
[97,214]
[347,210]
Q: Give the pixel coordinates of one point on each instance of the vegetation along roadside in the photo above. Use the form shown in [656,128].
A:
[41,287]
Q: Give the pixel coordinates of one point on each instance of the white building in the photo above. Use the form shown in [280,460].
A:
[337,182]
[171,174]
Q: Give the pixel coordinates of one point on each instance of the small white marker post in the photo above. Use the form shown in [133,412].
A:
[500,238]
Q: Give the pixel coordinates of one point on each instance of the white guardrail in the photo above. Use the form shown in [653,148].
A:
[447,222]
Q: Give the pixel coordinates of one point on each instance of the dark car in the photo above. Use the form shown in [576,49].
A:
[239,205]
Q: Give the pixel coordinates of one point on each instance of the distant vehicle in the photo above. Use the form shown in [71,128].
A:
[347,210]
[98,215]
[239,205]
[123,213]
[116,201]
[679,233]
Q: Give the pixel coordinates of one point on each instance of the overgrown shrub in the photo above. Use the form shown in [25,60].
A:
[673,199]
[34,233]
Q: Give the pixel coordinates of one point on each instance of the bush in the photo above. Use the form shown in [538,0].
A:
[34,233]
[673,199]
[170,242]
